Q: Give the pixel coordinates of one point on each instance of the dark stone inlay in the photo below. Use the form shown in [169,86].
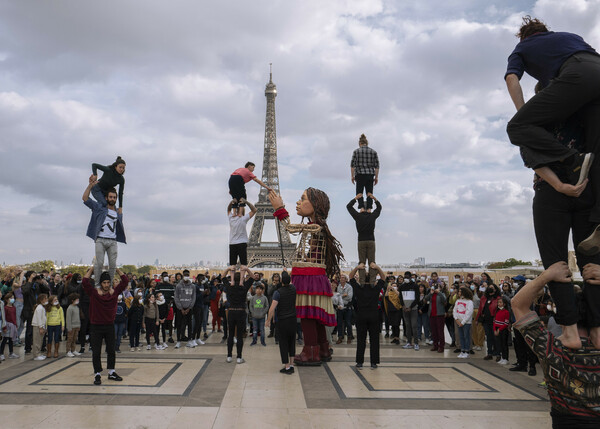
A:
[417,378]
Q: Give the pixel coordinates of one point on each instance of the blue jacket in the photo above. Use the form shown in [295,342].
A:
[99,212]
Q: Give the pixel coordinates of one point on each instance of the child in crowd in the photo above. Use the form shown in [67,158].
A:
[55,322]
[259,307]
[163,312]
[150,323]
[9,325]
[73,323]
[501,329]
[237,184]
[38,322]
[463,315]
[120,322]
[135,317]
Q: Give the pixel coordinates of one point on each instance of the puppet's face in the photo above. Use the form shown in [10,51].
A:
[304,207]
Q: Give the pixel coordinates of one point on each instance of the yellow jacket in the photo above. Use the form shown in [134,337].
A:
[55,316]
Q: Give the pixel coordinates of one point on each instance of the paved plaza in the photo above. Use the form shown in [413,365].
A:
[197,388]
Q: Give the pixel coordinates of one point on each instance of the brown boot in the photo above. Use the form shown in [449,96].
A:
[324,352]
[339,341]
[349,340]
[56,349]
[48,350]
[307,356]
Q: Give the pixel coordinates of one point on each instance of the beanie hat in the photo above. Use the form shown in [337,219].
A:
[104,276]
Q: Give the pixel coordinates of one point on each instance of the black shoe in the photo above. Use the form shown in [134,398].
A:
[289,371]
[453,344]
[170,340]
[457,350]
[205,336]
[82,350]
[359,365]
[373,366]
[518,368]
[270,335]
[117,350]
[27,352]
[387,335]
[97,380]
[395,341]
[43,349]
[471,352]
[578,167]
[532,371]
[115,377]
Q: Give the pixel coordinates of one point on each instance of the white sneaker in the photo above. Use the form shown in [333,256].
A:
[199,342]
[40,357]
[229,359]
[76,353]
[240,360]
[191,344]
[132,349]
[177,344]
[2,358]
[69,354]
[165,345]
[503,362]
[407,346]
[466,355]
[148,347]
[13,356]
[158,346]
[477,348]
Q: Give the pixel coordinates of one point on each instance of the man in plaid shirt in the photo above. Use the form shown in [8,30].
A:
[364,170]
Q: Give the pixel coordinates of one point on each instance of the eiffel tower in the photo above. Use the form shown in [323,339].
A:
[262,253]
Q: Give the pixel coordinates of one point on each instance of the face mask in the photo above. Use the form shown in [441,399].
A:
[141,301]
[55,303]
[451,290]
[472,287]
[139,294]
[549,307]
[45,303]
[481,288]
[186,278]
[76,302]
[161,301]
[422,278]
[120,297]
[78,282]
[395,287]
[165,279]
[406,280]
[11,300]
[432,289]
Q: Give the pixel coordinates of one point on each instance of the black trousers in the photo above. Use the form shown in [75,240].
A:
[367,321]
[502,343]
[555,215]
[524,354]
[394,320]
[97,334]
[198,314]
[28,332]
[237,319]
[287,338]
[185,320]
[151,329]
[238,250]
[237,189]
[364,181]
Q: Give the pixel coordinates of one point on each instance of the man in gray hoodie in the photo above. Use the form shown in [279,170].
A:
[185,297]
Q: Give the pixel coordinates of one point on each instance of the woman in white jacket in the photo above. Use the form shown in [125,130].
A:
[463,314]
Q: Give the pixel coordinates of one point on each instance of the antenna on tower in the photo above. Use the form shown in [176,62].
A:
[270,72]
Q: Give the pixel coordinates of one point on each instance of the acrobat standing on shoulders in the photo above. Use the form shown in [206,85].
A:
[105,228]
[237,184]
[111,178]
[364,172]
[238,234]
[316,259]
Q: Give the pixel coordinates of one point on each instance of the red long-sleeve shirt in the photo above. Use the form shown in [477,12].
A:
[501,320]
[103,308]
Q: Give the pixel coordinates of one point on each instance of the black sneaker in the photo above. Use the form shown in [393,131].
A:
[387,335]
[289,371]
[359,365]
[82,350]
[97,380]
[115,377]
[205,336]
[457,350]
[170,340]
[373,366]
[532,371]
[117,351]
[579,167]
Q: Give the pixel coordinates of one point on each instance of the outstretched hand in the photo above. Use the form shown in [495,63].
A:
[276,200]
[591,274]
[559,272]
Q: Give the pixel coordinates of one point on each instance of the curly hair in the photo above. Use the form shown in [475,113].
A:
[333,248]
[530,27]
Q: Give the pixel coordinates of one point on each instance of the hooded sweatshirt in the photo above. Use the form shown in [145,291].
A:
[185,295]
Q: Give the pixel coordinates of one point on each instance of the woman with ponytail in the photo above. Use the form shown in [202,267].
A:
[316,259]
[111,177]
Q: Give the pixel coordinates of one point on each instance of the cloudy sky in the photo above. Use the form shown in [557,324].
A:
[177,90]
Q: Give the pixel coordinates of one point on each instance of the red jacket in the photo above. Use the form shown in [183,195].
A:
[501,320]
[493,307]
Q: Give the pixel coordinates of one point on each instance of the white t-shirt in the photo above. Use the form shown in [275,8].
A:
[109,227]
[237,229]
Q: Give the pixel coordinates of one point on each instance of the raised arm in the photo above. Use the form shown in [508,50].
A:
[253,209]
[360,266]
[350,206]
[229,206]
[86,193]
[376,267]
[514,90]
[558,272]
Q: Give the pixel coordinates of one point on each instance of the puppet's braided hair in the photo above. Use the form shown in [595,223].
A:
[333,248]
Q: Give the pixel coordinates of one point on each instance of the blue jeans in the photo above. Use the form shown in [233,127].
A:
[98,194]
[490,339]
[258,325]
[54,334]
[465,337]
[423,324]
[120,329]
